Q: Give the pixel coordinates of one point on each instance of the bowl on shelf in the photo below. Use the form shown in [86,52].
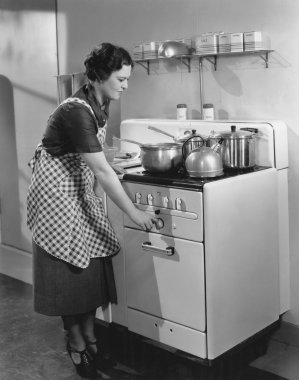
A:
[172,49]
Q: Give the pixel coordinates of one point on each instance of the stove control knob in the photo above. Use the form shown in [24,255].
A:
[165,201]
[178,204]
[159,224]
[150,199]
[138,197]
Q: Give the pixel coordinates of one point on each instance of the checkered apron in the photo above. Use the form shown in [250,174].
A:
[63,213]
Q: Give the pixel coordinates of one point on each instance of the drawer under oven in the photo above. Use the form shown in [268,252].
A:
[169,333]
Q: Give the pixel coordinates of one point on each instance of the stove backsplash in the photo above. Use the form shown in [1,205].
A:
[271,143]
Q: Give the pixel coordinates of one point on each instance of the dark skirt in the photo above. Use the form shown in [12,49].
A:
[63,289]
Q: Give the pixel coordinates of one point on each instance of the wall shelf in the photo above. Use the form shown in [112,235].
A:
[184,59]
[212,58]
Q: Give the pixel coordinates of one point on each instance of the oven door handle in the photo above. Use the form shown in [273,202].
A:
[147,246]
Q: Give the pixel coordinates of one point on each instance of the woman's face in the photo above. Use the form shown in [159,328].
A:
[113,87]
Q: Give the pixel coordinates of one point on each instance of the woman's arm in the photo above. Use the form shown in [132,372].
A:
[108,180]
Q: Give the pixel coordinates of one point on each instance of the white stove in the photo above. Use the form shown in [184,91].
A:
[215,272]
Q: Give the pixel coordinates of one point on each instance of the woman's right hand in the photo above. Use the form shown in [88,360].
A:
[107,180]
[143,219]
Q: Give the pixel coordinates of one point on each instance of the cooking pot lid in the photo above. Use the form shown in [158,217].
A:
[235,134]
[162,146]
[182,139]
[213,135]
[187,134]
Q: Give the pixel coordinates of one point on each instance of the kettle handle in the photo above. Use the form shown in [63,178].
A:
[200,139]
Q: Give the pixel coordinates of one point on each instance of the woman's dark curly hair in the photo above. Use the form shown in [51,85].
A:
[104,59]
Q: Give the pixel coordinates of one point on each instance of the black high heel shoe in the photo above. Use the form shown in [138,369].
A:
[85,368]
[101,361]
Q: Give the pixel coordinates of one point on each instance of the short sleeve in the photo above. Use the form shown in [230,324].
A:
[81,128]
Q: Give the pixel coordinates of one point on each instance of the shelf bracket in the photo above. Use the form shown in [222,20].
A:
[265,59]
[188,63]
[213,61]
[146,67]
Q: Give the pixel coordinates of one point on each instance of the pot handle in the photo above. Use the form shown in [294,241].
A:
[160,131]
[127,140]
[253,130]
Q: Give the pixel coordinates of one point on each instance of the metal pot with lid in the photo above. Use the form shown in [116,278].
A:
[238,148]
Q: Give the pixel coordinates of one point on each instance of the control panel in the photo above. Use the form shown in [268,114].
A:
[179,212]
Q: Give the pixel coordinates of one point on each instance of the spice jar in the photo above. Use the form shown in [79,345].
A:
[181,112]
[208,112]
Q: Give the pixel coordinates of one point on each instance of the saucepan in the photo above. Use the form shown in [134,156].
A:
[159,157]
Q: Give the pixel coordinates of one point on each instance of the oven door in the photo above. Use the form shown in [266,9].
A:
[165,277]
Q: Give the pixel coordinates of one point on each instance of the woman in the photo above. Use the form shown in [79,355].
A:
[73,240]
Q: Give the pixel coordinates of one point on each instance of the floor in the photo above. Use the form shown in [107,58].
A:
[33,348]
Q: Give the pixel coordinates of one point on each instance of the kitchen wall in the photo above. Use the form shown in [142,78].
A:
[241,88]
[28,65]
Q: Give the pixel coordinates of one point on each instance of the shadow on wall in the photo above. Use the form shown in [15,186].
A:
[9,187]
[228,81]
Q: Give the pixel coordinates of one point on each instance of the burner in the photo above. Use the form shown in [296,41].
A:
[181,179]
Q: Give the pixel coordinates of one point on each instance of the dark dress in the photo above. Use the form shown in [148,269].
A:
[60,288]
[63,289]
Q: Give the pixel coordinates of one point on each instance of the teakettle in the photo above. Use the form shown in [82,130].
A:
[204,161]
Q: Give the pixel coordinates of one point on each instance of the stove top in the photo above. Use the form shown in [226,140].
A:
[181,179]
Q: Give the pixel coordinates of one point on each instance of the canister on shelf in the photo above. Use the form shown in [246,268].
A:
[208,111]
[237,42]
[206,43]
[181,111]
[150,49]
[138,51]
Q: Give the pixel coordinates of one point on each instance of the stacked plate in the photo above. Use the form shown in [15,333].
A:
[256,41]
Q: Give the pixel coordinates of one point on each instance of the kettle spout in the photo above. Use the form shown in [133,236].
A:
[216,148]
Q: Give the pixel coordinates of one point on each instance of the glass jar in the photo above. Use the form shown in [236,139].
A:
[181,112]
[208,112]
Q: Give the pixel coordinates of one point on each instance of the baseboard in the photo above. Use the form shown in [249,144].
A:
[16,263]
